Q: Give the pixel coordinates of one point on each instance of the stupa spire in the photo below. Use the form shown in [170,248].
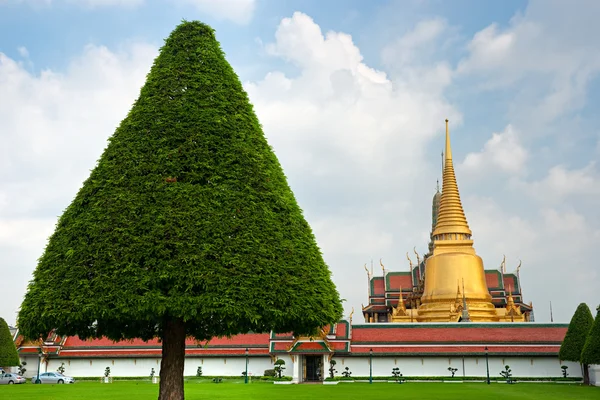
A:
[451,221]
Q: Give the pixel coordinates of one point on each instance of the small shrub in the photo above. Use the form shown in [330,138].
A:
[332,370]
[217,380]
[61,369]
[22,368]
[452,371]
[270,372]
[107,372]
[397,375]
[279,367]
[507,374]
[199,372]
[152,372]
[564,370]
[347,374]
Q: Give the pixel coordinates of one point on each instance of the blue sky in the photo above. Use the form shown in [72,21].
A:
[352,96]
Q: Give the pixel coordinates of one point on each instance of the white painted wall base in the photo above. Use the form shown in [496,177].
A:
[359,366]
[594,371]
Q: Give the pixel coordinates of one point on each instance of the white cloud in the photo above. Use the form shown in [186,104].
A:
[239,11]
[555,247]
[550,52]
[502,151]
[561,182]
[353,141]
[53,128]
[23,52]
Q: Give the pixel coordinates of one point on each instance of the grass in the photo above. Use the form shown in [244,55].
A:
[233,390]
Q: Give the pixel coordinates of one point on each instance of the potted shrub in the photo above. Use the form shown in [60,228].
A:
[507,374]
[397,375]
[107,378]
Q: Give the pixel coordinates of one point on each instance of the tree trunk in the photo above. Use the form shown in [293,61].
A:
[173,359]
[586,374]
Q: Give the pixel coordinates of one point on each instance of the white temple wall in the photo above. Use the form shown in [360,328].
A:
[359,366]
[473,366]
[120,367]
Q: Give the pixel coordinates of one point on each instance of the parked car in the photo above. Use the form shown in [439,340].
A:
[52,377]
[8,378]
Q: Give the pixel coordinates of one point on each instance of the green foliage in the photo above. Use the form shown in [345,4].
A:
[591,349]
[152,373]
[564,370]
[22,368]
[332,369]
[61,369]
[270,372]
[346,373]
[279,367]
[107,372]
[187,214]
[574,340]
[8,352]
[452,371]
[506,374]
[199,371]
[217,380]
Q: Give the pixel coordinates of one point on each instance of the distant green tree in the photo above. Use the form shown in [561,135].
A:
[572,345]
[8,352]
[591,349]
[186,227]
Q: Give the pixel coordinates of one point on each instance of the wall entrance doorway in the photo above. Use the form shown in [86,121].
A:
[313,368]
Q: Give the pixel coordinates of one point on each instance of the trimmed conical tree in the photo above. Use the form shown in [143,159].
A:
[579,327]
[8,352]
[591,349]
[186,226]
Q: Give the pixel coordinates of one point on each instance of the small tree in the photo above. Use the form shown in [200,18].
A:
[61,369]
[591,349]
[279,367]
[507,374]
[332,369]
[8,352]
[564,370]
[575,338]
[199,372]
[22,368]
[397,374]
[152,372]
[346,373]
[107,372]
[452,371]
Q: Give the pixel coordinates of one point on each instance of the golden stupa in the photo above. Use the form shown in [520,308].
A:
[454,286]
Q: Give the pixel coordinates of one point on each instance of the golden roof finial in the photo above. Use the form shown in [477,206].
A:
[382,266]
[451,217]
[410,261]
[401,300]
[417,254]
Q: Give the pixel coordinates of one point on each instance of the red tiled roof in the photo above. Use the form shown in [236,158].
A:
[450,333]
[308,346]
[250,339]
[491,279]
[507,349]
[378,286]
[156,352]
[397,281]
[341,330]
[509,283]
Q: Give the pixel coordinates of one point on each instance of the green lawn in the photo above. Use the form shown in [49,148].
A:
[131,390]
